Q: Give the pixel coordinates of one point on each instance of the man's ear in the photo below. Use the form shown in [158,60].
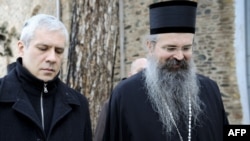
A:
[150,46]
[21,47]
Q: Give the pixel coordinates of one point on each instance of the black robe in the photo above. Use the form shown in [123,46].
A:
[131,117]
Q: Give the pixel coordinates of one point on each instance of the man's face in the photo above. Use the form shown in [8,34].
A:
[43,57]
[173,51]
[171,79]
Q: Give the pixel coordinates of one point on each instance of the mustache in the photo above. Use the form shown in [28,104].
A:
[183,64]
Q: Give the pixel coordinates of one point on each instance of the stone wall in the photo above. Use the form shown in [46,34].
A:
[215,51]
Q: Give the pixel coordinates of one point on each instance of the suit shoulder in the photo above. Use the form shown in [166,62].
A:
[135,80]
[205,78]
[72,91]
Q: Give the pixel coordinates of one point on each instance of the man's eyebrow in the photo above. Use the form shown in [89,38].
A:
[190,45]
[43,44]
[170,45]
[174,46]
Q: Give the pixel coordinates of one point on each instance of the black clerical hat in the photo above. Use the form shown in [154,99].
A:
[172,17]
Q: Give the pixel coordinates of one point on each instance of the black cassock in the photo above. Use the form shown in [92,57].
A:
[132,118]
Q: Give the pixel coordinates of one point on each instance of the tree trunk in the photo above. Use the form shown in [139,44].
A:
[92,52]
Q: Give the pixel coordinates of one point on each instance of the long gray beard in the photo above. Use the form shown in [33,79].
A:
[172,89]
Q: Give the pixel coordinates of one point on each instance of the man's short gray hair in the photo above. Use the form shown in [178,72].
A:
[48,22]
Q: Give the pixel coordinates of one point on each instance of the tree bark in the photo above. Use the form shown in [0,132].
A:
[92,52]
